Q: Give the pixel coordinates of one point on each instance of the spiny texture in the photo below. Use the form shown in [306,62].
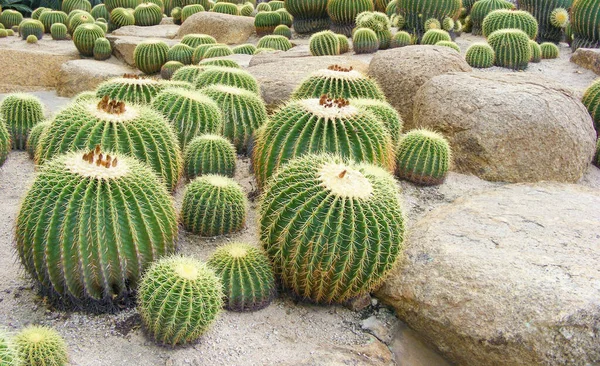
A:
[482,8]
[102,49]
[542,11]
[549,50]
[220,62]
[194,40]
[401,39]
[9,18]
[338,82]
[480,55]
[320,125]
[378,23]
[147,14]
[70,5]
[187,73]
[423,157]
[433,36]
[244,49]
[344,43]
[126,4]
[309,15]
[121,17]
[217,51]
[265,22]
[246,274]
[85,37]
[324,43]
[275,42]
[139,131]
[416,12]
[20,112]
[78,19]
[449,44]
[169,68]
[585,24]
[213,205]
[189,10]
[49,18]
[511,48]
[209,154]
[504,18]
[129,89]
[180,52]
[238,78]
[332,230]
[8,351]
[100,11]
[286,18]
[226,8]
[536,51]
[5,143]
[191,113]
[432,23]
[31,27]
[31,39]
[38,345]
[343,14]
[364,40]
[591,100]
[150,55]
[118,216]
[385,113]
[179,299]
[243,113]
[34,137]
[283,30]
[559,17]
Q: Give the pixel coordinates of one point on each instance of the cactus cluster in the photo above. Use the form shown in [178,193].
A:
[511,48]
[542,11]
[20,113]
[423,157]
[482,8]
[325,43]
[508,18]
[85,37]
[585,23]
[378,23]
[150,55]
[49,18]
[238,78]
[209,154]
[416,12]
[37,345]
[309,16]
[343,14]
[480,55]
[130,89]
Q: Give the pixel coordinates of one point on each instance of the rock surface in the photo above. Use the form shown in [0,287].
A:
[123,46]
[506,277]
[80,75]
[510,127]
[155,31]
[228,29]
[401,71]
[588,58]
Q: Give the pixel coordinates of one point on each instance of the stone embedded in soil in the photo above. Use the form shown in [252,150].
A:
[80,75]
[155,31]
[588,58]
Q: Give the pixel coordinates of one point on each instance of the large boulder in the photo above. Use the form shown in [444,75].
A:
[80,75]
[511,127]
[228,29]
[155,31]
[506,277]
[402,71]
[588,58]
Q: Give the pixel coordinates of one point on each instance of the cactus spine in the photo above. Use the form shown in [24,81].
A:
[209,154]
[423,157]
[38,345]
[20,112]
[150,55]
[50,18]
[324,43]
[338,82]
[85,37]
[480,55]
[511,48]
[129,89]
[9,355]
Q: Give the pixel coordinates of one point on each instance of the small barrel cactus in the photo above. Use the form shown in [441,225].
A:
[85,37]
[20,112]
[50,18]
[31,27]
[385,113]
[449,44]
[559,17]
[324,43]
[9,18]
[338,82]
[189,10]
[283,30]
[511,48]
[482,8]
[225,8]
[150,55]
[213,205]
[9,355]
[217,51]
[423,157]
[433,36]
[244,49]
[147,14]
[549,50]
[121,17]
[180,52]
[227,76]
[309,16]
[37,345]
[343,14]
[176,14]
[179,298]
[169,68]
[187,73]
[100,11]
[34,137]
[102,49]
[432,23]
[337,233]
[401,39]
[246,274]
[220,62]
[195,40]
[191,113]
[265,22]
[263,7]
[209,154]
[480,55]
[276,42]
[285,16]
[31,39]
[505,18]
[591,100]
[246,10]
[364,40]
[130,89]
[344,43]
[536,51]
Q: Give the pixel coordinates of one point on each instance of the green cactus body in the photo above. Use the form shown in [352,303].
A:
[265,22]
[176,14]
[416,12]
[31,27]
[320,125]
[176,84]
[206,4]
[448,24]
[20,112]
[58,31]
[220,63]
[385,113]
[169,68]
[244,49]
[217,51]
[332,230]
[536,51]
[85,37]
[401,39]
[432,23]
[449,44]
[150,55]
[5,142]
[286,18]
[191,113]
[179,298]
[180,52]
[209,154]
[392,8]
[9,355]
[324,43]
[129,90]
[276,42]
[35,15]
[79,19]
[160,4]
[121,17]
[542,11]
[505,18]
[246,10]
[170,5]
[338,82]
[433,36]
[37,345]
[3,33]
[246,274]
[101,20]
[102,49]
[484,7]
[100,11]
[31,39]
[365,40]
[343,14]
[187,73]
[549,50]
[199,52]
[559,17]
[263,7]
[49,18]
[585,24]
[468,26]
[596,160]
[195,40]
[102,26]
[127,4]
[9,18]
[344,43]
[283,30]
[213,205]
[381,5]
[511,49]
[227,76]
[423,157]
[32,140]
[189,10]
[276,5]
[119,217]
[226,8]
[147,14]
[309,16]
[139,131]
[591,100]
[243,113]
[70,5]
[480,55]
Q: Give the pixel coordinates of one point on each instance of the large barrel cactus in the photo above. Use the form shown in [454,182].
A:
[309,15]
[416,12]
[20,112]
[333,230]
[511,48]
[542,11]
[213,75]
[482,8]
[585,23]
[136,130]
[130,89]
[508,18]
[90,225]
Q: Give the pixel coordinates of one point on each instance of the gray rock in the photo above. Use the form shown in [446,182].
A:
[155,31]
[81,75]
[402,71]
[228,29]
[506,277]
[511,127]
[588,58]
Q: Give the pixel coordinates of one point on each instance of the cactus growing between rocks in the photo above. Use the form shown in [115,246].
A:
[209,154]
[31,27]
[559,17]
[416,12]
[85,37]
[401,39]
[542,11]
[364,40]
[169,68]
[265,22]
[179,298]
[433,36]
[325,43]
[102,49]
[121,17]
[8,350]
[276,42]
[480,55]
[9,18]
[585,24]
[309,15]
[189,10]
[511,48]
[50,18]
[332,230]
[238,78]
[34,137]
[150,55]
[147,14]
[213,205]
[504,18]
[283,30]
[58,31]
[549,50]
[20,112]
[130,89]
[423,157]
[343,14]
[244,49]
[180,52]
[246,275]
[484,7]
[37,345]
[195,40]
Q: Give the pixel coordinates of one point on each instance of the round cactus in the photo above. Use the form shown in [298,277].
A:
[385,113]
[9,355]
[179,298]
[365,40]
[195,40]
[263,7]
[220,62]
[246,10]
[126,4]
[121,17]
[50,18]
[139,131]
[480,55]
[189,10]
[244,49]
[332,230]
[130,89]
[265,22]
[147,14]
[35,15]
[449,44]
[401,39]
[78,19]
[246,275]
[585,24]
[343,14]
[169,68]
[30,27]
[176,14]
[70,5]
[338,82]
[309,16]
[433,36]
[191,113]
[432,23]
[542,11]
[180,52]
[536,51]
[227,76]
[423,157]
[283,30]
[187,73]
[305,126]
[3,33]
[32,39]
[100,11]
[5,143]
[484,7]
[9,18]
[150,55]
[243,113]
[549,50]
[217,51]
[37,345]
[344,43]
[286,18]
[102,49]
[596,161]
[505,18]
[20,113]
[33,139]
[226,8]
[324,43]
[448,24]
[275,42]
[416,12]
[511,48]
[199,51]
[559,17]
[213,205]
[591,100]
[85,37]
[209,154]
